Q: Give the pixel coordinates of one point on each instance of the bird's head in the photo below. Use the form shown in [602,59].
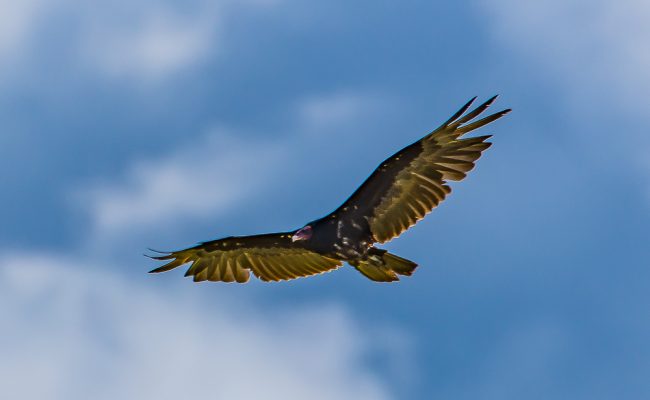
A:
[303,233]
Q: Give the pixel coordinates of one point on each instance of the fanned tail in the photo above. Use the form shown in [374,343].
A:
[382,266]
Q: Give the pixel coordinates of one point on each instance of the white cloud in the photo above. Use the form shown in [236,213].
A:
[18,22]
[596,53]
[324,110]
[72,331]
[145,42]
[148,42]
[204,177]
[595,49]
[213,175]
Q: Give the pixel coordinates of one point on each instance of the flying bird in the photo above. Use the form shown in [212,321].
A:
[400,192]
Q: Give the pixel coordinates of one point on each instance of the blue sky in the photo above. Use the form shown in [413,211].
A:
[163,123]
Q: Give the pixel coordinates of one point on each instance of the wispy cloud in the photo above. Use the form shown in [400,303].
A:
[596,55]
[85,332]
[207,176]
[322,111]
[141,43]
[18,22]
[595,49]
[152,45]
[213,175]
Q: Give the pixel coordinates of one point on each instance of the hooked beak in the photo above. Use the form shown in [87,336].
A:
[302,234]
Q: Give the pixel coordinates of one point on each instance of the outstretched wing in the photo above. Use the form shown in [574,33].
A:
[412,182]
[271,257]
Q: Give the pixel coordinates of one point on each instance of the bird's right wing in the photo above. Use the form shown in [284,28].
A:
[271,257]
[412,182]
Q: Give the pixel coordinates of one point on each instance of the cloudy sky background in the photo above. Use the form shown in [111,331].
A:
[163,123]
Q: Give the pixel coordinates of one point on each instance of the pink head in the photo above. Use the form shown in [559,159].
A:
[302,234]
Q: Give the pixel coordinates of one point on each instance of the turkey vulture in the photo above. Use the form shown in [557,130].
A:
[400,192]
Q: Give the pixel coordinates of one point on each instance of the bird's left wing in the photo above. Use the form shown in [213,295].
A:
[271,257]
[412,182]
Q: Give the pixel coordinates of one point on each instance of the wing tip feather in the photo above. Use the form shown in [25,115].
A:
[459,113]
[163,268]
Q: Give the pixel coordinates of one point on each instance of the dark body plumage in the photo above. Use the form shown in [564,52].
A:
[400,192]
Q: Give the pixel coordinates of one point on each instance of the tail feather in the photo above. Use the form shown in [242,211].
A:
[381,266]
[400,265]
